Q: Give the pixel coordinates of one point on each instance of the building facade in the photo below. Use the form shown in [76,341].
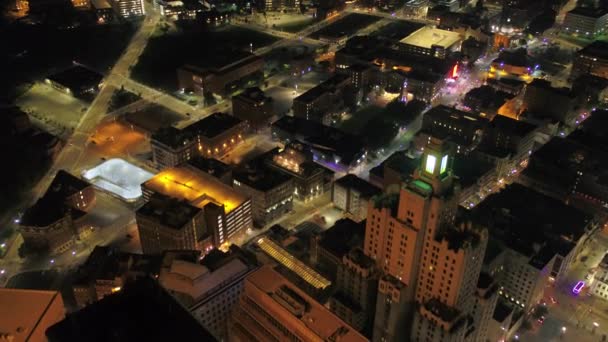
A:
[587,22]
[217,79]
[273,309]
[209,288]
[592,59]
[166,223]
[352,195]
[212,136]
[417,238]
[226,213]
[271,192]
[357,288]
[253,106]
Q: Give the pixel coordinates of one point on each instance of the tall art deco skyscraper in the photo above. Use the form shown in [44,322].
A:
[431,256]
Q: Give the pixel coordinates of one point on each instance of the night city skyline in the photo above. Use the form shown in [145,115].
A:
[304,170]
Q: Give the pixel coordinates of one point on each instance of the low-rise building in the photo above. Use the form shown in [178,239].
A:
[543,101]
[321,102]
[505,136]
[586,22]
[310,179]
[514,63]
[212,136]
[592,59]
[56,220]
[107,270]
[208,288]
[330,147]
[253,106]
[416,8]
[532,244]
[128,8]
[27,314]
[599,286]
[77,81]
[431,41]
[218,77]
[486,100]
[465,130]
[352,195]
[281,5]
[569,169]
[271,191]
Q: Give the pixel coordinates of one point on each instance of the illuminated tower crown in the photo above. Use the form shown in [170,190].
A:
[436,167]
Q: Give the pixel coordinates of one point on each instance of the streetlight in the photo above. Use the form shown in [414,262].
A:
[563,330]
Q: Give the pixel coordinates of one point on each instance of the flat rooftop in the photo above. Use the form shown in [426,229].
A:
[211,166]
[260,177]
[596,49]
[196,280]
[76,77]
[589,12]
[48,210]
[284,258]
[366,189]
[22,310]
[208,127]
[195,187]
[168,211]
[342,237]
[537,219]
[427,37]
[119,177]
[316,317]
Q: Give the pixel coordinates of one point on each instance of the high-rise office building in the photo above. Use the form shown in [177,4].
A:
[430,255]
[357,287]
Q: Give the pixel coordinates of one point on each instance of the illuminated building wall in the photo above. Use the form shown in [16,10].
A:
[81,4]
[414,239]
[128,8]
[226,213]
[172,146]
[167,224]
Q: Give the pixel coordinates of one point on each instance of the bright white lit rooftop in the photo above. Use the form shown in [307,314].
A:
[428,36]
[119,177]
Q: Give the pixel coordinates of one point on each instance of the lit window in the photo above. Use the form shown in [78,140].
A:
[444,164]
[430,163]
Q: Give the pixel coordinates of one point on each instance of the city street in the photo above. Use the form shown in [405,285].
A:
[585,317]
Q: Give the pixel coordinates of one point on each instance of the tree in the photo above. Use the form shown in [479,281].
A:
[380,132]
